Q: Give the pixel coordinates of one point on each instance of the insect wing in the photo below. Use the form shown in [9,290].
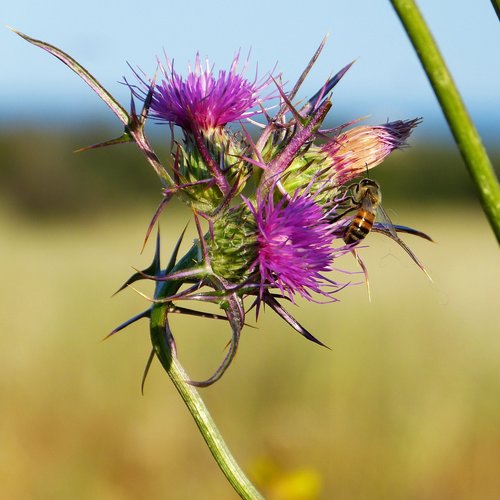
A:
[385,222]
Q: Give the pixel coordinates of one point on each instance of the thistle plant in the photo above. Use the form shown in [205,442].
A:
[271,209]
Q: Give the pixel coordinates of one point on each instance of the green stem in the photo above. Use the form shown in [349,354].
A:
[496,6]
[468,140]
[160,337]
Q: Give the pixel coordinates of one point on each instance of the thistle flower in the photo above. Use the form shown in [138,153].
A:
[280,238]
[202,100]
[353,152]
[347,154]
[207,167]
[294,245]
[277,243]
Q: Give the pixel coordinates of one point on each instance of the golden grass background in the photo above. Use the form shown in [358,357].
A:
[406,405]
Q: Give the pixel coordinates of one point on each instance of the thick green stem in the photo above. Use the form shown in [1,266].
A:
[160,337]
[467,139]
[496,6]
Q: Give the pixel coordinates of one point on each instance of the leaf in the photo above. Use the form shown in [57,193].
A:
[283,313]
[153,269]
[137,317]
[316,99]
[236,316]
[115,106]
[123,139]
[133,124]
[146,370]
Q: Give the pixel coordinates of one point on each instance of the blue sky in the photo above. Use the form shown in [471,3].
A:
[385,83]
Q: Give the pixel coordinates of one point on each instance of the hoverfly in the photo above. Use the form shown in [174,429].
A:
[366,197]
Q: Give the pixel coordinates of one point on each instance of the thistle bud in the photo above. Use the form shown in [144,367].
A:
[234,245]
[311,171]
[323,169]
[197,185]
[353,152]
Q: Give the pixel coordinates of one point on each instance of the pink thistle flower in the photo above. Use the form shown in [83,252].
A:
[294,246]
[353,152]
[203,101]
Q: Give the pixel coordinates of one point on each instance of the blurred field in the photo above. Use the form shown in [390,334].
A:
[47,180]
[406,405]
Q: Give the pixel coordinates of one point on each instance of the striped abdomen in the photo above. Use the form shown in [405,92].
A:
[359,227]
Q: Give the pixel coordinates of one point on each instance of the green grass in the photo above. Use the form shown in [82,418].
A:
[406,405]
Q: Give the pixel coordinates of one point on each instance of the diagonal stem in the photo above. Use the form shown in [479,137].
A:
[496,6]
[466,136]
[162,345]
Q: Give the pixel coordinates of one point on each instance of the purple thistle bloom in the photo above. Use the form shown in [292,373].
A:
[202,100]
[294,245]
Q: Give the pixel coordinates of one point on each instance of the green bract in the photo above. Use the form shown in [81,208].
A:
[233,248]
